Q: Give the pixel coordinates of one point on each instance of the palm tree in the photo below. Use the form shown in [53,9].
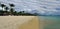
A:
[1,12]
[22,12]
[2,5]
[6,10]
[12,5]
[11,8]
[15,13]
[11,11]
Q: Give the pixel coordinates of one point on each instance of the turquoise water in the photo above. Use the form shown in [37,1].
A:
[51,22]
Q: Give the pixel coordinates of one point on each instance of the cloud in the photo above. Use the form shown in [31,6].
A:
[49,6]
[46,7]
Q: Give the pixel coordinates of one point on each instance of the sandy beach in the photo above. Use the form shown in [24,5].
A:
[19,22]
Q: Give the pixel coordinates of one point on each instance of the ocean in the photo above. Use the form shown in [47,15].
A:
[49,22]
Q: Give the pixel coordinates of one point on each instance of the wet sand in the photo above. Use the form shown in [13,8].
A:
[19,22]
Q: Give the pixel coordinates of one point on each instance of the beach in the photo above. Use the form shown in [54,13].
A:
[19,22]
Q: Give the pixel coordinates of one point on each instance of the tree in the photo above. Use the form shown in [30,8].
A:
[12,5]
[23,12]
[20,13]
[15,13]
[6,8]
[2,5]
[1,12]
[11,8]
[11,11]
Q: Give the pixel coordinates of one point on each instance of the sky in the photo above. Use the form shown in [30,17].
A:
[44,7]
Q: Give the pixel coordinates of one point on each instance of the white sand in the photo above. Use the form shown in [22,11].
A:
[13,22]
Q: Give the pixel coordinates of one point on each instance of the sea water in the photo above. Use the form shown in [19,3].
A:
[49,22]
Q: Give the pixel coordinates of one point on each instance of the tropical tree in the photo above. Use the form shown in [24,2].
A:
[6,9]
[12,5]
[2,5]
[11,11]
[19,13]
[11,8]
[1,12]
[15,13]
[22,12]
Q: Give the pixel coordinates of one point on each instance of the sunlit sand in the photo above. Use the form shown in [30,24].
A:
[19,22]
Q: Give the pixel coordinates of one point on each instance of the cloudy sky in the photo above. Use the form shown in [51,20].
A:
[46,7]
